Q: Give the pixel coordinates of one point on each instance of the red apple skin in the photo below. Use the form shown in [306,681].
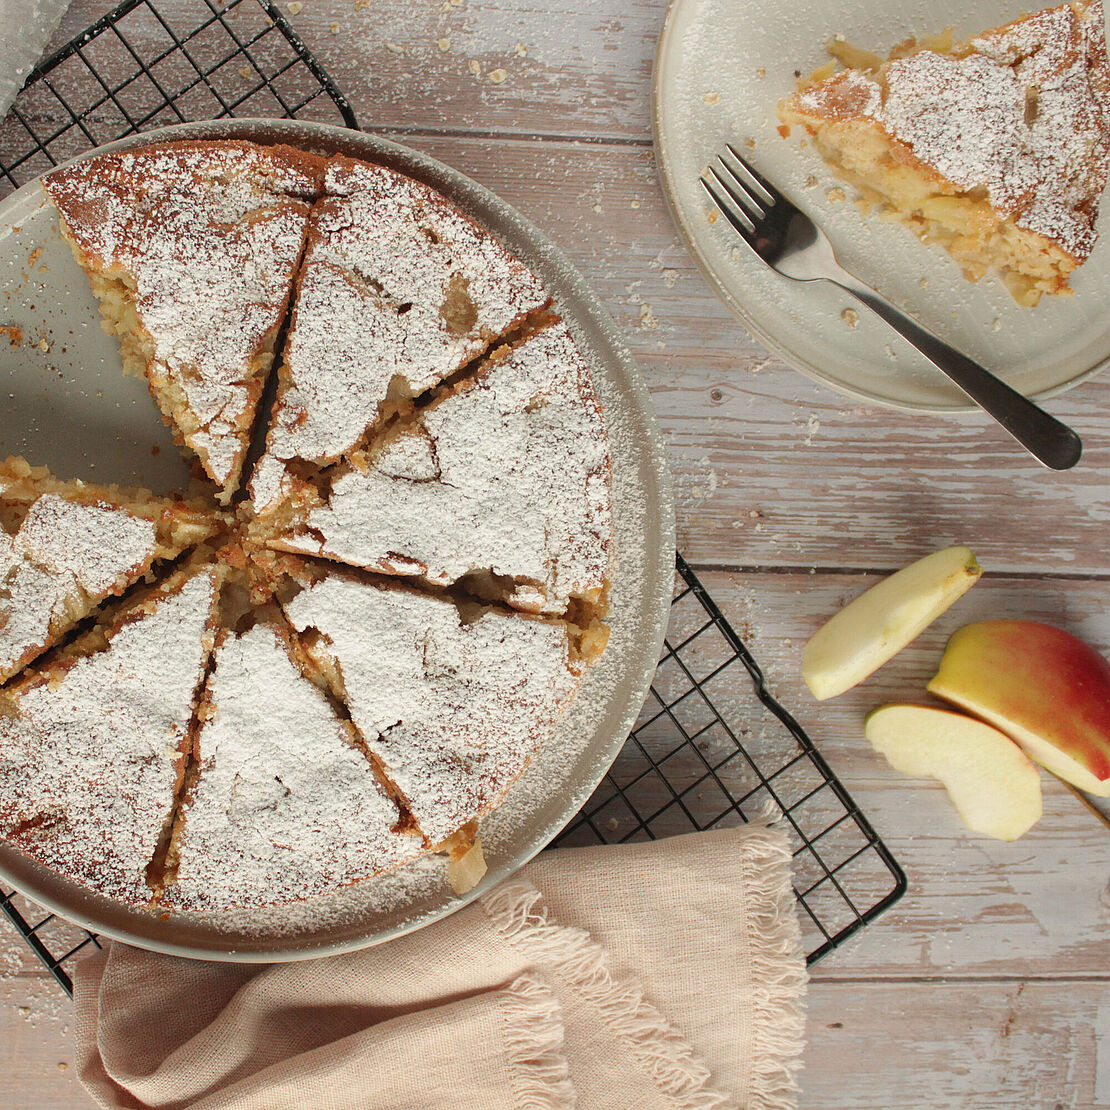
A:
[1041,678]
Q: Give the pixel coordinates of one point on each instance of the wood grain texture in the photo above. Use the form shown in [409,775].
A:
[987,985]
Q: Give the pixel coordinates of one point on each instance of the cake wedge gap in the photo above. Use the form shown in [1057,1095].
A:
[453,699]
[93,748]
[191,249]
[68,547]
[500,487]
[399,290]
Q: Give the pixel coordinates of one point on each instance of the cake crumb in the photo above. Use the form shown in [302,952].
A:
[648,322]
[712,98]
[296,7]
[633,204]
[850,316]
[14,334]
[443,44]
[836,194]
[521,50]
[245,72]
[475,67]
[498,76]
[34,256]
[996,324]
[394,47]
[334,28]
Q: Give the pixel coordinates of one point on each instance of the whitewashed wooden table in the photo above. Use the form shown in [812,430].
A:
[987,985]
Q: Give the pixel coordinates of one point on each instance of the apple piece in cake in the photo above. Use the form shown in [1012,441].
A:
[192,248]
[93,746]
[67,546]
[996,148]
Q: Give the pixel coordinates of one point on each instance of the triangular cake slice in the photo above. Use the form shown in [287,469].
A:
[399,290]
[503,485]
[93,746]
[997,148]
[284,806]
[453,701]
[192,248]
[66,546]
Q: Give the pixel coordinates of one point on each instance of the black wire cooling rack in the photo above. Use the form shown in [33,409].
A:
[712,747]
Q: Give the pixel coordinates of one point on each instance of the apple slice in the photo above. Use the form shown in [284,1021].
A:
[875,626]
[1042,686]
[991,781]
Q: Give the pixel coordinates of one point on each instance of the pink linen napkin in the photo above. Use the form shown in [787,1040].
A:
[655,976]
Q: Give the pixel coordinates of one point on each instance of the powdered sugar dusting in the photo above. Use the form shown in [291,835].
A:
[399,289]
[65,557]
[454,709]
[208,235]
[510,475]
[88,761]
[285,807]
[100,544]
[1025,116]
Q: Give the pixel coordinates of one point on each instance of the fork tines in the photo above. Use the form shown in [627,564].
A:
[750,194]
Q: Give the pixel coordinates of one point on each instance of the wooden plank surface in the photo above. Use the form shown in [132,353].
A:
[986,986]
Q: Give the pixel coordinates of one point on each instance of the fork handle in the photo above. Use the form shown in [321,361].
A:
[1045,437]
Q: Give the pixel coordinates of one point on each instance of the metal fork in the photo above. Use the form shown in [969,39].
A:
[791,243]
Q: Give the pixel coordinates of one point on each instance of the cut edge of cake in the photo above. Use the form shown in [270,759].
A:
[289,527]
[57,560]
[997,148]
[317,642]
[137,249]
[31,834]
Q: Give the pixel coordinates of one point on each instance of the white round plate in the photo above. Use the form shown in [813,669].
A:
[722,67]
[67,404]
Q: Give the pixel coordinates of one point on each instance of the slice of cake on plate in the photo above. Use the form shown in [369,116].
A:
[997,148]
[399,290]
[453,701]
[191,248]
[282,805]
[93,746]
[502,485]
[67,546]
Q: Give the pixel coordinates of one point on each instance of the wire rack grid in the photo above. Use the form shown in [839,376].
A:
[712,746]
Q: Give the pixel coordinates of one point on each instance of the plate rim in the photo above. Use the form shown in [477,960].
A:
[34,880]
[665,47]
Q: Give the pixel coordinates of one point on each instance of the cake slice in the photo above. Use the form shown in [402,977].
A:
[453,702]
[399,290]
[192,248]
[996,148]
[65,547]
[93,746]
[283,806]
[502,485]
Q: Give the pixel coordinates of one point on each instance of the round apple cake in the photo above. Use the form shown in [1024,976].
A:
[247,697]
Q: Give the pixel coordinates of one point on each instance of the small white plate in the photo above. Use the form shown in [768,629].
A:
[722,66]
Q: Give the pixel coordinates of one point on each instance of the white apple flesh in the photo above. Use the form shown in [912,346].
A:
[875,626]
[993,784]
